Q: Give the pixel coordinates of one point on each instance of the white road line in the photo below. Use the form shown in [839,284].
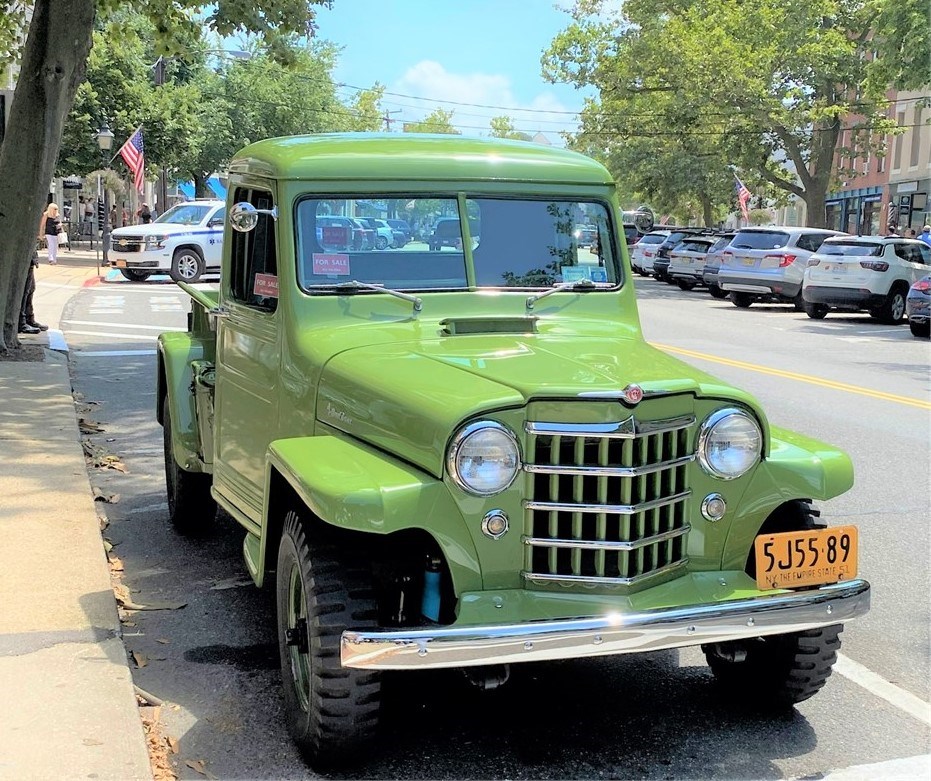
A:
[134,337]
[112,353]
[877,685]
[123,325]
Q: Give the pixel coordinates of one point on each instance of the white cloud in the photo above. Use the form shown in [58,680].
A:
[428,83]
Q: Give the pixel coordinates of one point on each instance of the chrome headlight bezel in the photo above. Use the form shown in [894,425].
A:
[706,431]
[460,439]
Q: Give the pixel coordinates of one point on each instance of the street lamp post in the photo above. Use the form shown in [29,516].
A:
[105,142]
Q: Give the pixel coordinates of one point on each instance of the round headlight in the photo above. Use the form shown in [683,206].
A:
[729,443]
[483,458]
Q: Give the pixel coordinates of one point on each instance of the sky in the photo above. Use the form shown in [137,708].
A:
[483,52]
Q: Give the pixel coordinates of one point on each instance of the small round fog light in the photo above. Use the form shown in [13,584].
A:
[495,524]
[713,507]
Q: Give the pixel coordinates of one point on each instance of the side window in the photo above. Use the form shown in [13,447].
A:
[925,251]
[218,219]
[253,259]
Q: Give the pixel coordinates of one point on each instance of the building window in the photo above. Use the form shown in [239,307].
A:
[916,138]
[897,144]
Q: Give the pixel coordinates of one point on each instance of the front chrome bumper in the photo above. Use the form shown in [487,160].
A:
[621,633]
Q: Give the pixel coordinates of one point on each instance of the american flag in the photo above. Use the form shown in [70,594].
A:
[743,195]
[132,155]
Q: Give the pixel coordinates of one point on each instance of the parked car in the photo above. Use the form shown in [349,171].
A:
[713,263]
[384,235]
[185,241]
[446,233]
[661,259]
[768,264]
[641,256]
[687,261]
[402,231]
[918,307]
[338,233]
[468,460]
[864,273]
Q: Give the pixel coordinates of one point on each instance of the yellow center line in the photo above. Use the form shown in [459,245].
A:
[841,386]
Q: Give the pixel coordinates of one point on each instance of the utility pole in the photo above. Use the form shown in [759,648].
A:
[162,189]
[388,120]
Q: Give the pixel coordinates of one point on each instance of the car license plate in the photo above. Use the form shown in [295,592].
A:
[748,261]
[120,263]
[806,558]
[835,268]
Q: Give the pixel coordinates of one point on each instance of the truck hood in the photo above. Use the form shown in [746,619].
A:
[409,398]
[158,228]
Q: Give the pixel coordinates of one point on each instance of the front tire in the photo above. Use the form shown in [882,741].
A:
[741,300]
[331,711]
[187,265]
[135,276]
[191,508]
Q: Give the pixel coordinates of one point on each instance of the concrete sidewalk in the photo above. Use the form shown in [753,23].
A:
[68,707]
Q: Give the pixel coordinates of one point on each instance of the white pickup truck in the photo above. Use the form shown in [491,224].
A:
[185,242]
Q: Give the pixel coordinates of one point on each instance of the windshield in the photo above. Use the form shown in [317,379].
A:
[653,238]
[721,243]
[760,240]
[519,243]
[852,248]
[185,213]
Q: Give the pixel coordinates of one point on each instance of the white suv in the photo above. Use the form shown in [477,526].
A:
[643,252]
[871,273]
[185,241]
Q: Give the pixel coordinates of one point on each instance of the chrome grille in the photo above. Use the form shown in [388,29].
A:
[607,501]
[127,245]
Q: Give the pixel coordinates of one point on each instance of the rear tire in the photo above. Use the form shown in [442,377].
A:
[685,284]
[331,711]
[816,311]
[381,242]
[741,300]
[920,329]
[892,311]
[716,292]
[191,508]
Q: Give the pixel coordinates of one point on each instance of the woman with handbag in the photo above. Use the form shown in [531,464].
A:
[49,228]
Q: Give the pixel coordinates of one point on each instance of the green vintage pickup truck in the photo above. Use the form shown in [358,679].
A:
[467,456]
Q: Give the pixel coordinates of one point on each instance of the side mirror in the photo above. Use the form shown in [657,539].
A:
[244,216]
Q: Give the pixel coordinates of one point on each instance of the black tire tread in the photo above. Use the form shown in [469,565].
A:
[345,703]
[191,508]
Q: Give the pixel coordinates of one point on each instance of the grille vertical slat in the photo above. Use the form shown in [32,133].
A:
[607,502]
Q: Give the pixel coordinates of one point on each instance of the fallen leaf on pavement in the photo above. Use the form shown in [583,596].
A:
[89,426]
[116,564]
[162,640]
[237,582]
[140,659]
[173,744]
[128,604]
[100,496]
[92,742]
[200,766]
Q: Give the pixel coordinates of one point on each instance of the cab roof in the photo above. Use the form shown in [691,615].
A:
[415,157]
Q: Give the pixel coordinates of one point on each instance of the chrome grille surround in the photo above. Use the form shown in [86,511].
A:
[607,503]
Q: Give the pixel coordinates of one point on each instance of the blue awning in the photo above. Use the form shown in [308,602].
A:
[216,185]
[187,189]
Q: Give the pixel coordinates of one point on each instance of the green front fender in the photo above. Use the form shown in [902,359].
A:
[797,467]
[176,353]
[358,488]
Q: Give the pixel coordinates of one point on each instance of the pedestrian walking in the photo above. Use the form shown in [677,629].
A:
[144,214]
[27,316]
[911,233]
[925,235]
[49,227]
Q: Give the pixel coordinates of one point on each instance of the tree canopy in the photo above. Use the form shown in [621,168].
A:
[764,86]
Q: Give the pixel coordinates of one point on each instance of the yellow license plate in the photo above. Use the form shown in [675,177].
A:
[748,261]
[809,558]
[121,263]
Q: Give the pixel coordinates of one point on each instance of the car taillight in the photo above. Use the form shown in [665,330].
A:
[813,261]
[647,253]
[923,285]
[784,260]
[875,265]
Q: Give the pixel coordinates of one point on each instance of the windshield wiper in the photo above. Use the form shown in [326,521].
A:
[356,285]
[577,284]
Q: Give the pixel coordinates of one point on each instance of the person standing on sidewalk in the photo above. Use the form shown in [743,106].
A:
[49,228]
[27,316]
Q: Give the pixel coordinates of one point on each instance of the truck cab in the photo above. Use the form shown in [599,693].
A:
[466,455]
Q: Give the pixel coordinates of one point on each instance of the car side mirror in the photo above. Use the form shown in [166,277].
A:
[244,216]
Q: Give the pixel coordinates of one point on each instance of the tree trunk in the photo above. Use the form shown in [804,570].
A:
[706,210]
[816,213]
[200,186]
[52,67]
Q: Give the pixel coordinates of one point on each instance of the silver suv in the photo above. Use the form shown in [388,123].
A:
[768,264]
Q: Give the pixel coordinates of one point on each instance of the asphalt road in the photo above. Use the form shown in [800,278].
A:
[855,383]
